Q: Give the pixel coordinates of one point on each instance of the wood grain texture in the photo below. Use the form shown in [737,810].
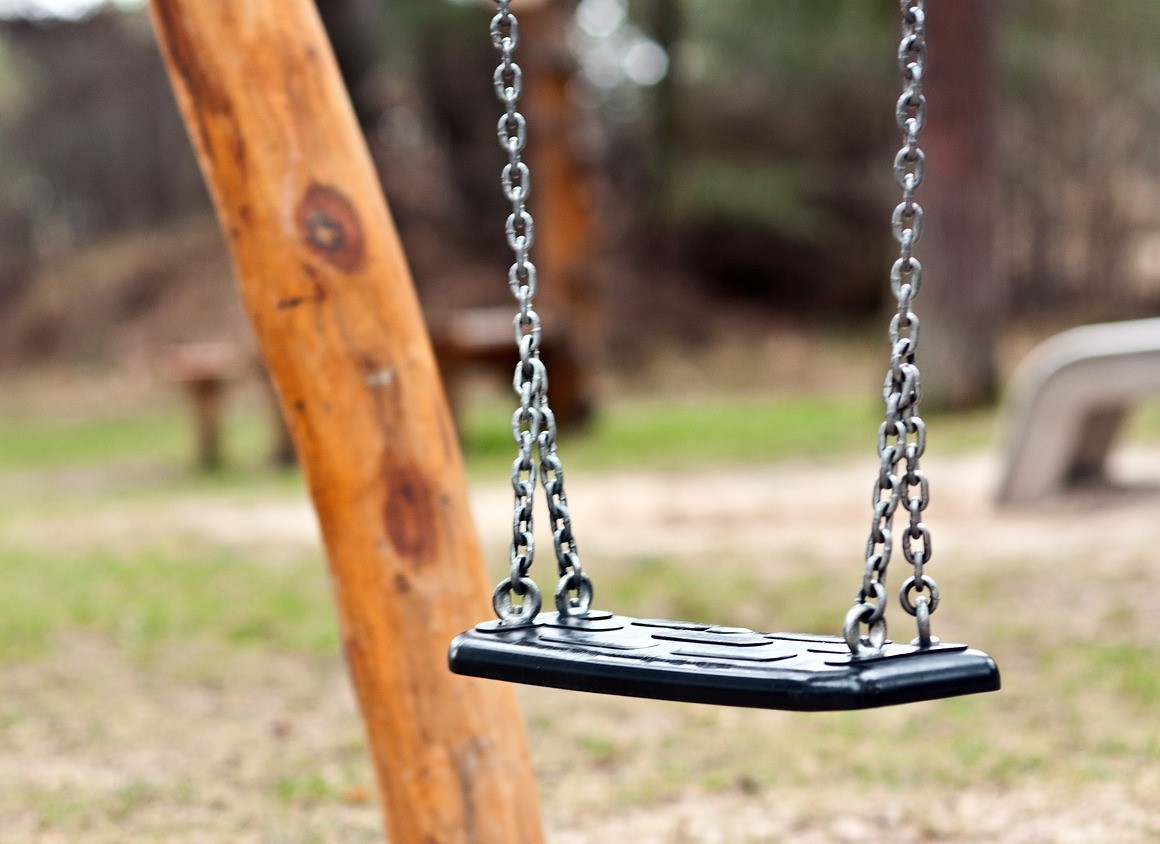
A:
[330,297]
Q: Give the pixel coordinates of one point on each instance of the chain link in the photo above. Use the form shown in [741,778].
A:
[901,481]
[533,423]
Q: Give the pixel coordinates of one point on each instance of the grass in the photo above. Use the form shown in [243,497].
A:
[62,463]
[737,593]
[1123,670]
[1144,422]
[652,433]
[193,617]
[668,434]
[157,436]
[146,598]
[659,433]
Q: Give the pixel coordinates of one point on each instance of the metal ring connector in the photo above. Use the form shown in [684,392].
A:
[511,613]
[870,644]
[581,603]
[924,639]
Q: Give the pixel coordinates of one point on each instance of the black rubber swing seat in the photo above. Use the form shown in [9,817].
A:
[702,663]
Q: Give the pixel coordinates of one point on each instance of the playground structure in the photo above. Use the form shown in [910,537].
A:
[584,649]
[1069,400]
[328,292]
[734,535]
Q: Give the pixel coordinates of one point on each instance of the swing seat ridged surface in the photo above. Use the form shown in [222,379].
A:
[703,663]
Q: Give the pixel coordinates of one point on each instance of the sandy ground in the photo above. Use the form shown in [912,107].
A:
[186,744]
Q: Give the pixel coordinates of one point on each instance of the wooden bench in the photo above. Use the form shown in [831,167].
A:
[1067,402]
[204,372]
[483,338]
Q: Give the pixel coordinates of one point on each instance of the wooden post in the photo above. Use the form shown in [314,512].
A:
[206,396]
[330,297]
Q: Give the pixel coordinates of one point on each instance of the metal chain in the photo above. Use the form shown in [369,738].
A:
[533,424]
[902,435]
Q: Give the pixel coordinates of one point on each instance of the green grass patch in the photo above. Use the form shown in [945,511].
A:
[146,598]
[1124,669]
[307,788]
[1144,423]
[677,434]
[652,434]
[91,441]
[712,592]
[34,444]
[1129,672]
[599,749]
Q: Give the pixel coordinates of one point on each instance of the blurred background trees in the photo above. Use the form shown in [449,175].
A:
[733,158]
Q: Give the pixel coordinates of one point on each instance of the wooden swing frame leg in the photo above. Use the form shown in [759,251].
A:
[328,292]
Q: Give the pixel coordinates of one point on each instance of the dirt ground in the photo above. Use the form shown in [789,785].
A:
[242,747]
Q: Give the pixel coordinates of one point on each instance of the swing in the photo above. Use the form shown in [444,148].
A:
[583,649]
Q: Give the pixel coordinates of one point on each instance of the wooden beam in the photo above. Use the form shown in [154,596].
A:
[330,297]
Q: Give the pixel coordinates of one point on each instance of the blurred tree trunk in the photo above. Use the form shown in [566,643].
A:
[352,26]
[570,298]
[964,301]
[665,23]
